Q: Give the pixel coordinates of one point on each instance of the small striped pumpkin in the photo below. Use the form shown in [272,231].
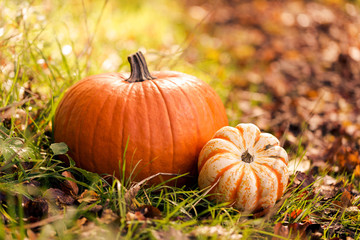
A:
[244,167]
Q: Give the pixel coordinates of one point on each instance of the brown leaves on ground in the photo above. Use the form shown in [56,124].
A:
[200,232]
[346,157]
[144,212]
[295,71]
[88,196]
[23,112]
[339,197]
[48,206]
[35,209]
[298,230]
[12,110]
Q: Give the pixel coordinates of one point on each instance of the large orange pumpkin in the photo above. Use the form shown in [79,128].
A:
[154,122]
[244,167]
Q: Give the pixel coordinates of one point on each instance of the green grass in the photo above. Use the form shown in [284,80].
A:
[44,49]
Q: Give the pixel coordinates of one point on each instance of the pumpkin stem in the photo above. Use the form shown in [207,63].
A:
[139,69]
[247,157]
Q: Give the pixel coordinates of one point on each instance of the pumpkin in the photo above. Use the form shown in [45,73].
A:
[139,125]
[244,167]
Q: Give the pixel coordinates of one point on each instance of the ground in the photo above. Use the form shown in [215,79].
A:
[290,67]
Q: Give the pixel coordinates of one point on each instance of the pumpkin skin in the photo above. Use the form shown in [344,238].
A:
[245,167]
[157,124]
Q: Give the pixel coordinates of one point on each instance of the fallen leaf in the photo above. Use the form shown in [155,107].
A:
[357,171]
[353,210]
[303,180]
[292,230]
[356,200]
[215,232]
[88,196]
[327,191]
[96,209]
[68,185]
[58,197]
[315,231]
[80,222]
[150,211]
[172,233]
[328,180]
[294,214]
[280,230]
[346,198]
[131,194]
[299,165]
[136,216]
[108,216]
[35,209]
[32,235]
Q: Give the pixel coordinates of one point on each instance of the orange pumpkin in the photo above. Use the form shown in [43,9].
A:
[154,122]
[245,167]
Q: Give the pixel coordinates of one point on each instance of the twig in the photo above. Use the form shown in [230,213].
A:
[15,104]
[132,191]
[154,176]
[44,221]
[207,191]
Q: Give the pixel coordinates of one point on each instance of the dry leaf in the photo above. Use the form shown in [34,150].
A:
[346,198]
[304,180]
[131,194]
[69,185]
[215,231]
[281,230]
[88,196]
[172,233]
[294,214]
[108,216]
[353,210]
[300,165]
[35,209]
[81,222]
[32,235]
[136,216]
[292,230]
[150,211]
[58,197]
